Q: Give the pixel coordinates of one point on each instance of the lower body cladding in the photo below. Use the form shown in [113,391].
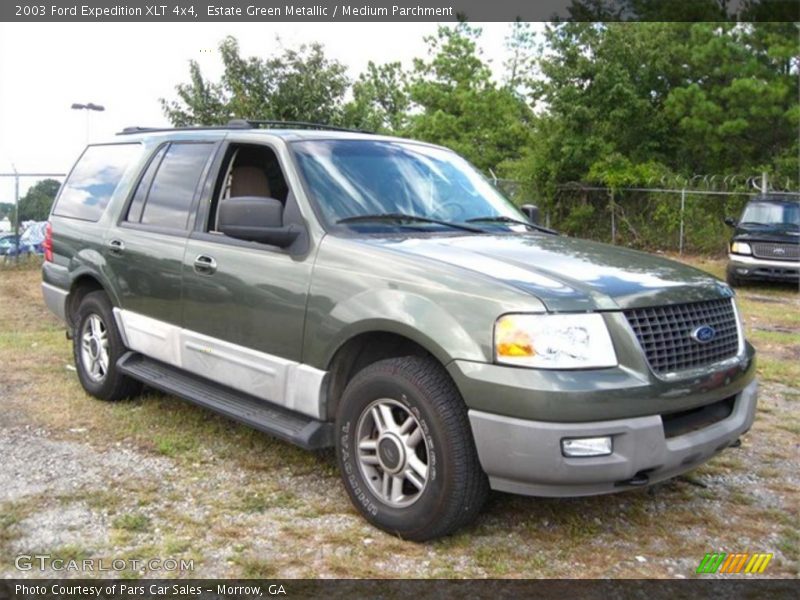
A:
[526,457]
[286,383]
[751,268]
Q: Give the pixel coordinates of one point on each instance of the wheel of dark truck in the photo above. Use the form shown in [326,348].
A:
[732,279]
[97,345]
[405,449]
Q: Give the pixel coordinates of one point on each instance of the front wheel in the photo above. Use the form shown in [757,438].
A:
[732,279]
[405,449]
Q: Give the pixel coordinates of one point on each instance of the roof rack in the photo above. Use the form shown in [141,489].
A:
[252,123]
[244,124]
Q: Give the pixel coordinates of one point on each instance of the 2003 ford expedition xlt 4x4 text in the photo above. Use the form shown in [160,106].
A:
[376,294]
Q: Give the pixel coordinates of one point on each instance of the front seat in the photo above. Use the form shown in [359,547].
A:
[249,181]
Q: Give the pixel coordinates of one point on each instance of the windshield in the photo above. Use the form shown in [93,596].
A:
[363,178]
[772,213]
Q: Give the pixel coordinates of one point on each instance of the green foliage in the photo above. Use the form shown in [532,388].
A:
[520,66]
[6,210]
[634,104]
[35,205]
[296,85]
[458,105]
[380,99]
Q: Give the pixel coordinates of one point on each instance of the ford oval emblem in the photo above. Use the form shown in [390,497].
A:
[703,334]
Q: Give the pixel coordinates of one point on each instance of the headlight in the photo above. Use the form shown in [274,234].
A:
[573,341]
[741,248]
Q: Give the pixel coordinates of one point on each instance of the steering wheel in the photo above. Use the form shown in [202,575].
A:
[445,211]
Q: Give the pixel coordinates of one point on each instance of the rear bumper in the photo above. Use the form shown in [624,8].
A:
[748,267]
[56,300]
[524,457]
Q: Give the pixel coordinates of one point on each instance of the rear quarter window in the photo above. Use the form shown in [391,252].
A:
[93,180]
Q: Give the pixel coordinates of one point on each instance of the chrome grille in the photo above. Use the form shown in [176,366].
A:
[665,334]
[776,251]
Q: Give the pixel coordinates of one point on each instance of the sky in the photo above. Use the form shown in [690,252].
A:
[127,67]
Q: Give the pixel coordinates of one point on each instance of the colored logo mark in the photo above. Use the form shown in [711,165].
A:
[704,334]
[721,562]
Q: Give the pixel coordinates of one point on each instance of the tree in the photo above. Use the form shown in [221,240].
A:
[6,210]
[380,99]
[626,104]
[456,104]
[35,205]
[296,85]
[521,63]
[712,98]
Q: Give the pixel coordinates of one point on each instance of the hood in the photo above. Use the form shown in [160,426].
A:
[785,234]
[567,274]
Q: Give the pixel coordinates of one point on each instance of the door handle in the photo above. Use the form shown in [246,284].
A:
[116,246]
[205,264]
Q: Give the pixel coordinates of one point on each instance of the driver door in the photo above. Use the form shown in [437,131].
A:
[244,302]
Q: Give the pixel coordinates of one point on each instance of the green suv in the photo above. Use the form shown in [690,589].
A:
[378,295]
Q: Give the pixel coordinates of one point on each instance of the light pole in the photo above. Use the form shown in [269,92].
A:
[16,211]
[88,107]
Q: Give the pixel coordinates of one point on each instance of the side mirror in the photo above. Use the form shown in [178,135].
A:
[256,219]
[532,212]
[730,221]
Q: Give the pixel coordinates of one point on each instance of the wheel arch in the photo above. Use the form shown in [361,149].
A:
[82,284]
[365,348]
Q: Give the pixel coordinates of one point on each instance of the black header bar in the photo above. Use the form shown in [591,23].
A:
[225,11]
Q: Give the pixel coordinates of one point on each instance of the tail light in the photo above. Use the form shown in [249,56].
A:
[48,242]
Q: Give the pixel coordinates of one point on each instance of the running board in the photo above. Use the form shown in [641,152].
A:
[277,421]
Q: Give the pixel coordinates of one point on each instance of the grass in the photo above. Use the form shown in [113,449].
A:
[245,505]
[132,522]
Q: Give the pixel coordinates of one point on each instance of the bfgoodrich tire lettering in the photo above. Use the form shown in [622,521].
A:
[443,487]
[95,333]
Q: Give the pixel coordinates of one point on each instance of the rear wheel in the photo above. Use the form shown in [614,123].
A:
[405,449]
[96,347]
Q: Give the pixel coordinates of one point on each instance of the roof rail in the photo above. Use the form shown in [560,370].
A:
[137,129]
[254,123]
[243,124]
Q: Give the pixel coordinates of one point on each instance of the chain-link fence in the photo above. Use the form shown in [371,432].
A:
[680,220]
[13,242]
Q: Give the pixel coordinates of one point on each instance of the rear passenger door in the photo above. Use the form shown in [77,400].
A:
[144,252]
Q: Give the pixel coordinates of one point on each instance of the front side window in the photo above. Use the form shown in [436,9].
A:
[359,178]
[172,191]
[94,179]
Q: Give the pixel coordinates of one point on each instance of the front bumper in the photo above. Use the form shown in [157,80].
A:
[748,267]
[524,456]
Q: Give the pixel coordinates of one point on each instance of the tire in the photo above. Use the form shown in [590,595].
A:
[374,450]
[96,336]
[732,279]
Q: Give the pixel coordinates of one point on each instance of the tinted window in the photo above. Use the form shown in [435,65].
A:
[173,188]
[137,204]
[94,179]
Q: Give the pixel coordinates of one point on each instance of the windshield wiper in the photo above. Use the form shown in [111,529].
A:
[400,217]
[504,219]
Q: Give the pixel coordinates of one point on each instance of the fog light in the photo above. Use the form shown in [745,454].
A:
[579,447]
